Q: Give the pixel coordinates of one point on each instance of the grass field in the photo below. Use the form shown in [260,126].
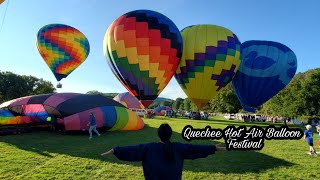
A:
[44,155]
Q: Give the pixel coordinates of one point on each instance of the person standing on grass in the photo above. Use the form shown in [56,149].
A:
[93,125]
[164,159]
[53,124]
[318,130]
[308,137]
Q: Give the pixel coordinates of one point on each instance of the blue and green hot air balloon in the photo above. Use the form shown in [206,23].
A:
[266,68]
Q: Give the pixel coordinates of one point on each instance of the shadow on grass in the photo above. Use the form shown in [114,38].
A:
[54,144]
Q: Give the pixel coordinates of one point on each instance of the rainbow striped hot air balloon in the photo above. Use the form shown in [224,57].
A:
[210,59]
[143,49]
[63,48]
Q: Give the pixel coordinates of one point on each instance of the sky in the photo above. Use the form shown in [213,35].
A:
[293,23]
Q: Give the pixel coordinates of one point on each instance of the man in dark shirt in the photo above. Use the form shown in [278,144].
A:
[93,125]
[163,160]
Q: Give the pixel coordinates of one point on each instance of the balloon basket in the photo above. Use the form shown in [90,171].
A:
[59,85]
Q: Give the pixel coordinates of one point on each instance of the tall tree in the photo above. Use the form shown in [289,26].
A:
[167,103]
[186,103]
[177,103]
[14,86]
[226,101]
[301,97]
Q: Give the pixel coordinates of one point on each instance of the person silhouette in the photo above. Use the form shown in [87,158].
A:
[164,159]
[93,125]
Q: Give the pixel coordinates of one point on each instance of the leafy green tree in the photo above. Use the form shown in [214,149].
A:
[167,103]
[177,103]
[186,103]
[193,107]
[181,107]
[14,86]
[108,95]
[94,92]
[226,101]
[299,98]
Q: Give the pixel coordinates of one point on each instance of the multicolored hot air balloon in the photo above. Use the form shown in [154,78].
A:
[143,49]
[266,68]
[210,59]
[63,48]
[128,101]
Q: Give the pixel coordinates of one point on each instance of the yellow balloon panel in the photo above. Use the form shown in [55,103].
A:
[210,59]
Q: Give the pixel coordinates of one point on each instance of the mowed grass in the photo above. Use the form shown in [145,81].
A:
[44,155]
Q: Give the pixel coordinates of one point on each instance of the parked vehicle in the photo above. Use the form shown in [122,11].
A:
[204,115]
[194,115]
[230,116]
[139,112]
[170,113]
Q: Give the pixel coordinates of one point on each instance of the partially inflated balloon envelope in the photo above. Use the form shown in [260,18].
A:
[143,49]
[210,59]
[72,108]
[63,48]
[128,101]
[266,68]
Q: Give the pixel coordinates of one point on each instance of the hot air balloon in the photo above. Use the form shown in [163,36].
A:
[143,49]
[266,68]
[72,108]
[210,59]
[63,48]
[128,101]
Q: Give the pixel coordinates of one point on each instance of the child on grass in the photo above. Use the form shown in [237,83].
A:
[308,137]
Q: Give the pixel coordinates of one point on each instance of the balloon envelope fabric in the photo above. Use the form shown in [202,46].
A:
[128,101]
[160,110]
[210,59]
[63,48]
[143,49]
[74,108]
[266,68]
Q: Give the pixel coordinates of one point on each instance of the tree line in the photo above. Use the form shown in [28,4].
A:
[14,86]
[300,98]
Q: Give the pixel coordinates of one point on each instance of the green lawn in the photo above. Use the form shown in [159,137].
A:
[43,155]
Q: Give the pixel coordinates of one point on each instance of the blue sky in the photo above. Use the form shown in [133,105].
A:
[293,23]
